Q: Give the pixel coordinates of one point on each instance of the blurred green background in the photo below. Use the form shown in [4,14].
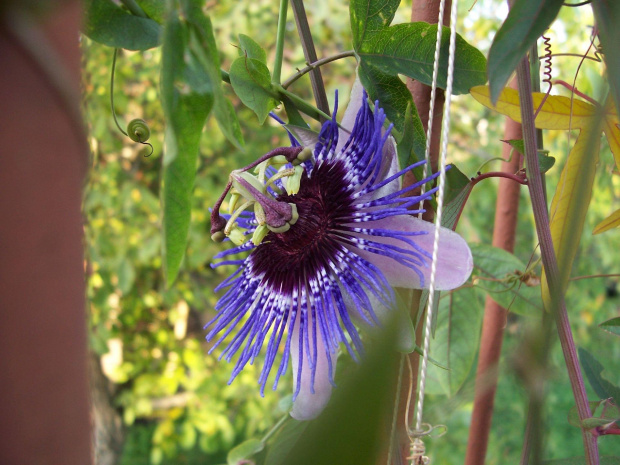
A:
[173,398]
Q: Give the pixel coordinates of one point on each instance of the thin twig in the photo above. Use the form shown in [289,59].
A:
[316,64]
[318,88]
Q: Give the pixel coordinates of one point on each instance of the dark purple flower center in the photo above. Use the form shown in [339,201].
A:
[293,256]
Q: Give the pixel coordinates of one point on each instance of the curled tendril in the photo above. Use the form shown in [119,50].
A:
[137,129]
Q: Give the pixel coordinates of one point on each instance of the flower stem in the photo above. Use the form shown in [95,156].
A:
[277,65]
[275,428]
[316,79]
[558,308]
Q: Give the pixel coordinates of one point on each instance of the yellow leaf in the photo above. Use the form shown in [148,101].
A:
[570,203]
[554,114]
[572,196]
[612,221]
[612,129]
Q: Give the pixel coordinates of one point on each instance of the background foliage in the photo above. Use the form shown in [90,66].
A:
[174,398]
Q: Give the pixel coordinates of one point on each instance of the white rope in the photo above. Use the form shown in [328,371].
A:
[440,194]
[431,110]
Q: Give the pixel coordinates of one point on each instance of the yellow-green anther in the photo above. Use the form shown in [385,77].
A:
[234,200]
[259,213]
[304,155]
[293,182]
[259,234]
[279,175]
[218,236]
[233,218]
[236,235]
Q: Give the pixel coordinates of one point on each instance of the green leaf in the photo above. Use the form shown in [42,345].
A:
[493,265]
[155,9]
[109,24]
[409,49]
[545,162]
[284,441]
[453,206]
[352,427]
[607,15]
[248,47]
[613,326]
[294,117]
[251,81]
[456,181]
[393,96]
[573,414]
[202,42]
[526,21]
[412,143]
[593,369]
[244,450]
[457,337]
[370,16]
[186,108]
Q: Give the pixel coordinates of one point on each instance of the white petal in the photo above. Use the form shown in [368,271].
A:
[454,264]
[306,137]
[350,114]
[308,405]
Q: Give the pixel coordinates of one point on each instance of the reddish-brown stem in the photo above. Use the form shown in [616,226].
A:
[558,308]
[507,206]
[575,91]
[500,174]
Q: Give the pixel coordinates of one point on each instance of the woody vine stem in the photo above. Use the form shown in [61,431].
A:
[558,307]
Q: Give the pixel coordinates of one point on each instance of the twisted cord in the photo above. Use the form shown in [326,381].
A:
[548,66]
[440,195]
[431,110]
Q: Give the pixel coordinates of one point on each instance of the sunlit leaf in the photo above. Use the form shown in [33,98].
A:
[111,25]
[409,49]
[554,114]
[611,222]
[370,16]
[248,47]
[251,81]
[526,21]
[572,197]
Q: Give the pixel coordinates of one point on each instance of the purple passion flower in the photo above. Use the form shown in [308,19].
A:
[331,233]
